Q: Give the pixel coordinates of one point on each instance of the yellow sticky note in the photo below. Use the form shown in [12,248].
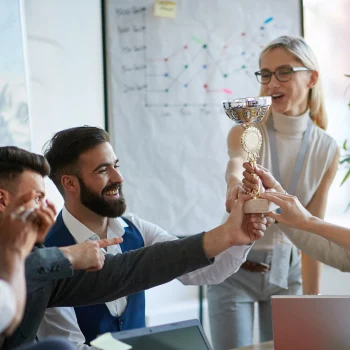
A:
[107,342]
[163,8]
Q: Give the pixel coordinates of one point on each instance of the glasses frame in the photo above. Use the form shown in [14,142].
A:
[292,70]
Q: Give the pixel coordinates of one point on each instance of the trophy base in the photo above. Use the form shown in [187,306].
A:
[259,206]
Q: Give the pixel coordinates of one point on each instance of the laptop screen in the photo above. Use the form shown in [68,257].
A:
[176,336]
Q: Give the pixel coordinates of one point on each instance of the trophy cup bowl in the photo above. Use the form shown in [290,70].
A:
[249,112]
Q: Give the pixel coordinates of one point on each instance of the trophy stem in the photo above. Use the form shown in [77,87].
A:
[256,193]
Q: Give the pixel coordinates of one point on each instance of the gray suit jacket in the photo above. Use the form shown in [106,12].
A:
[46,265]
[122,274]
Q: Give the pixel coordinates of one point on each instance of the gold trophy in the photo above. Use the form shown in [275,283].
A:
[248,112]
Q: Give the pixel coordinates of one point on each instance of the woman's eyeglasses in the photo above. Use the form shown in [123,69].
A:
[281,74]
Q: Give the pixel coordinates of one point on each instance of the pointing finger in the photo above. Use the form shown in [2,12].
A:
[104,243]
[274,197]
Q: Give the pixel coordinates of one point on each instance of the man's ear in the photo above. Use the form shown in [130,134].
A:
[4,199]
[313,79]
[70,183]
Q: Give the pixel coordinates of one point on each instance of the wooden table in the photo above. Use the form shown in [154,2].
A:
[261,346]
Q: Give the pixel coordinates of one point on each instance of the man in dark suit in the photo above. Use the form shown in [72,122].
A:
[122,274]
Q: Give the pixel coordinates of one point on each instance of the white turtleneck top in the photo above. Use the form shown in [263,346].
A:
[320,153]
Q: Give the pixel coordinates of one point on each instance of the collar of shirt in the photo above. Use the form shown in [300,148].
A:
[81,233]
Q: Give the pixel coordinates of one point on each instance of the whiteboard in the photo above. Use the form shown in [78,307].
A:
[166,79]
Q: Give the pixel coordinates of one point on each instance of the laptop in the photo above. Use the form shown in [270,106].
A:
[185,335]
[311,322]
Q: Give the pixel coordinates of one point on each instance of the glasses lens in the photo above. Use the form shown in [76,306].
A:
[284,74]
[263,77]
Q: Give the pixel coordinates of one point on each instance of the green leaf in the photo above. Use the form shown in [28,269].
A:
[345,177]
[345,160]
[347,75]
[347,208]
[344,145]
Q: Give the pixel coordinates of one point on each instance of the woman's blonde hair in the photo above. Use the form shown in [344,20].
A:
[302,51]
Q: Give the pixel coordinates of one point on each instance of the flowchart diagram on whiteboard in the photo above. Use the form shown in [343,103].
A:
[166,79]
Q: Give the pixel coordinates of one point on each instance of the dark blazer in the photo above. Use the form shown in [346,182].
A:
[45,265]
[121,275]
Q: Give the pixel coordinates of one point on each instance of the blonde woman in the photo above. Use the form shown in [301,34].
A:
[304,160]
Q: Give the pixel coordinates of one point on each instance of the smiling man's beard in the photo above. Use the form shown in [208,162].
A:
[101,205]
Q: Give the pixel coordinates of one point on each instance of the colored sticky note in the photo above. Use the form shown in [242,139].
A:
[163,8]
[107,342]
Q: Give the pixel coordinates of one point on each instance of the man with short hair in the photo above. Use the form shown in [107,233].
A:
[86,171]
[122,274]
[21,225]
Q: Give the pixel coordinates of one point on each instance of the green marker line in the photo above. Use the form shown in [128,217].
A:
[197,40]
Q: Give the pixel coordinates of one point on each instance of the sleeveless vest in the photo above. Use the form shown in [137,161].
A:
[94,320]
[319,155]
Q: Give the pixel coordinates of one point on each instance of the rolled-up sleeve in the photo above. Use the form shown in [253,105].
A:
[7,305]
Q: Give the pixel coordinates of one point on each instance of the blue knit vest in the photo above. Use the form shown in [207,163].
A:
[96,319]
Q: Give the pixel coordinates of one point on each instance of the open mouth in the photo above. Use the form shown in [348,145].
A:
[112,193]
[276,97]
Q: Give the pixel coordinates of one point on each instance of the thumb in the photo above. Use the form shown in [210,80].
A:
[239,203]
[242,198]
[103,243]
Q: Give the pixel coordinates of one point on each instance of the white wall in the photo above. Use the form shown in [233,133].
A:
[326,29]
[63,51]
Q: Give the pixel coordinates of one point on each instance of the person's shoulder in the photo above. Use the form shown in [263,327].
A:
[56,236]
[324,138]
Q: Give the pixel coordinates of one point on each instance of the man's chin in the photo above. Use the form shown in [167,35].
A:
[117,214]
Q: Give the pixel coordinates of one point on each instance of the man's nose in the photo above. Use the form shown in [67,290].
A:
[117,176]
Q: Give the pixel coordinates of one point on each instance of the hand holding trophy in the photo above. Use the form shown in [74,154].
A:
[249,112]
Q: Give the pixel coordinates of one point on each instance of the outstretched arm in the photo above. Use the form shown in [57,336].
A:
[296,216]
[137,270]
[319,239]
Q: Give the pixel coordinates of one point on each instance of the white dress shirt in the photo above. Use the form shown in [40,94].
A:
[63,321]
[7,305]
